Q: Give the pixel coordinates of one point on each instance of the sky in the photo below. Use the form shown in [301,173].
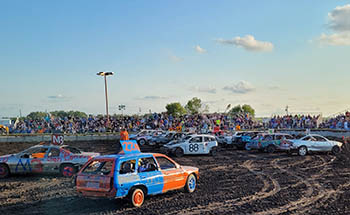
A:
[268,54]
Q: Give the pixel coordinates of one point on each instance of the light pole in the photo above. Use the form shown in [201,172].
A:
[121,107]
[105,74]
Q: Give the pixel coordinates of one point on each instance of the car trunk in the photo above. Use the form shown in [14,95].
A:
[98,183]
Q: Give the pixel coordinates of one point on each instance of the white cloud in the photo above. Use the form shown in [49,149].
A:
[341,39]
[200,49]
[152,98]
[249,43]
[276,88]
[339,18]
[339,22]
[242,87]
[59,96]
[176,58]
[203,89]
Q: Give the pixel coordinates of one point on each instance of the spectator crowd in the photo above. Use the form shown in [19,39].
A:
[195,123]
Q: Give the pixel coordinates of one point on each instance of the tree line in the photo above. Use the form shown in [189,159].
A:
[193,106]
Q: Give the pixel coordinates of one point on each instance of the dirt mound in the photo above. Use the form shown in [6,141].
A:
[233,182]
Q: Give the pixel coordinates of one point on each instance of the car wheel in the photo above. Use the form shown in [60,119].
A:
[68,170]
[233,146]
[335,150]
[142,142]
[261,150]
[302,151]
[213,151]
[4,171]
[137,197]
[271,149]
[179,152]
[241,146]
[191,184]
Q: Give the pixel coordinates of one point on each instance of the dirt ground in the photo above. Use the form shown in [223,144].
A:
[233,182]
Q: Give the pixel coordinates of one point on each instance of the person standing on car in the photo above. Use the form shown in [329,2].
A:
[124,135]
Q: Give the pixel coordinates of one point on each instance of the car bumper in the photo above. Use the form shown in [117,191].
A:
[165,150]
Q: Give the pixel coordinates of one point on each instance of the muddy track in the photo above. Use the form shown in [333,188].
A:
[233,182]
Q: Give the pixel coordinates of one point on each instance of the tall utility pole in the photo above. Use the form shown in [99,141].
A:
[105,74]
[121,107]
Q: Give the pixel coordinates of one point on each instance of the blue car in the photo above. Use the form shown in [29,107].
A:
[268,142]
[134,175]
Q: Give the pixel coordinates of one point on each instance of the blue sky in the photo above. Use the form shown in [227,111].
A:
[265,53]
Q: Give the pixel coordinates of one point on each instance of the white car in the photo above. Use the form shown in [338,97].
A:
[312,143]
[192,144]
[144,136]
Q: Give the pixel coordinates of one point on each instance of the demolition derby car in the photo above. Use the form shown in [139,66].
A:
[145,136]
[134,175]
[312,143]
[192,144]
[65,160]
[268,142]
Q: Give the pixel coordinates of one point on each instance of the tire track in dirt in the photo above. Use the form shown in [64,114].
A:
[333,194]
[324,163]
[312,187]
[44,188]
[269,184]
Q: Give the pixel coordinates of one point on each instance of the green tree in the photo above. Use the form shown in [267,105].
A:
[195,106]
[77,114]
[236,110]
[245,109]
[62,114]
[59,113]
[37,115]
[248,110]
[175,109]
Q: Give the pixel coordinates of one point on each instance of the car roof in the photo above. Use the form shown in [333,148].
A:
[202,135]
[50,145]
[314,135]
[276,134]
[126,156]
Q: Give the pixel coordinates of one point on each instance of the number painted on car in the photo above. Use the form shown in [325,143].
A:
[193,147]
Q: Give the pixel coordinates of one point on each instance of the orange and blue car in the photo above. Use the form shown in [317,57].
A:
[134,175]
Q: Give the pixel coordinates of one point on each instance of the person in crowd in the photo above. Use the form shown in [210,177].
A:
[198,123]
[124,135]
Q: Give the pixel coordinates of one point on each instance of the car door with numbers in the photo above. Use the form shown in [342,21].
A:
[195,145]
[208,143]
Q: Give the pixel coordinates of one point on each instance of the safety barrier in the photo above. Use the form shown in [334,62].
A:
[67,137]
[21,138]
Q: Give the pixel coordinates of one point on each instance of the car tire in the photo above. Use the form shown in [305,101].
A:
[142,142]
[261,150]
[213,151]
[137,197]
[179,152]
[191,184]
[234,146]
[241,146]
[302,151]
[4,171]
[336,150]
[271,149]
[68,170]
